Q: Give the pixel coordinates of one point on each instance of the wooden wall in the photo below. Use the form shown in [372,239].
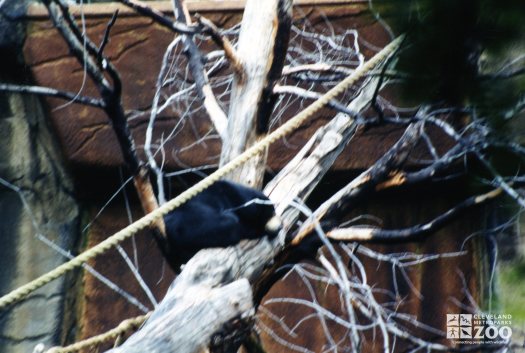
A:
[88,143]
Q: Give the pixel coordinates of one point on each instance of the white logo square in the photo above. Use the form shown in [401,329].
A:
[465,320]
[465,332]
[453,332]
[452,320]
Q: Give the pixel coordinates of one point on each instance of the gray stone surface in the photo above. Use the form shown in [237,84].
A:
[31,162]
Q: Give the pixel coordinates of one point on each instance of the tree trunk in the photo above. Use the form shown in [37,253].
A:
[262,47]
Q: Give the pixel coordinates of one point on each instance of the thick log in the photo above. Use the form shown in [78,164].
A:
[167,330]
[262,47]
[302,174]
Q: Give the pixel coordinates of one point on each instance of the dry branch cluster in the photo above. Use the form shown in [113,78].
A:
[259,72]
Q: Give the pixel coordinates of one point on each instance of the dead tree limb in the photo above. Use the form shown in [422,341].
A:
[166,331]
[196,66]
[263,41]
[212,268]
[377,173]
[187,29]
[359,233]
[98,69]
[55,93]
[317,67]
[302,174]
[175,26]
[310,95]
[224,43]
[439,167]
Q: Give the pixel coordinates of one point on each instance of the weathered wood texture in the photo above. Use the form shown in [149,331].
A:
[304,172]
[84,132]
[203,302]
[262,47]
[87,141]
[188,321]
[100,307]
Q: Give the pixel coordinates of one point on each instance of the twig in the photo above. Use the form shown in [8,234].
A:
[67,27]
[176,26]
[223,42]
[436,168]
[97,66]
[374,233]
[196,66]
[498,179]
[105,40]
[317,67]
[51,92]
[311,95]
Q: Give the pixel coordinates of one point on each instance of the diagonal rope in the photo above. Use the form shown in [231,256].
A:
[113,334]
[285,129]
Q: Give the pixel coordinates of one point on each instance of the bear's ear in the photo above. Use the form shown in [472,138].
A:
[273,226]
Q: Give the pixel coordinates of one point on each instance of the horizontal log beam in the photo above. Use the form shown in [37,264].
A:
[36,11]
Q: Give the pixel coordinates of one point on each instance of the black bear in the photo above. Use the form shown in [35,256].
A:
[220,216]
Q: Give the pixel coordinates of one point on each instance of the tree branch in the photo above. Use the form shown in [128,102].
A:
[105,39]
[317,67]
[378,234]
[175,26]
[437,167]
[302,174]
[167,330]
[223,42]
[51,92]
[96,64]
[262,47]
[311,95]
[338,203]
[196,65]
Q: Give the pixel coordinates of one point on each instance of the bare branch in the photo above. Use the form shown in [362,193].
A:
[378,172]
[317,67]
[311,95]
[358,233]
[223,42]
[302,174]
[196,66]
[51,92]
[96,64]
[105,39]
[72,35]
[498,181]
[262,47]
[434,170]
[176,26]
[208,308]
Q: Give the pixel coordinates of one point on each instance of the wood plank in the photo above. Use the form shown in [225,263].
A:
[38,11]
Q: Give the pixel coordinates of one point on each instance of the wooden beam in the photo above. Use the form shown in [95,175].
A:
[38,11]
